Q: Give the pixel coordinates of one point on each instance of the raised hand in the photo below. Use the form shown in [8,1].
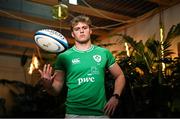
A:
[47,72]
[46,75]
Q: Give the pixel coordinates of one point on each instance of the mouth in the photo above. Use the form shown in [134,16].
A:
[82,36]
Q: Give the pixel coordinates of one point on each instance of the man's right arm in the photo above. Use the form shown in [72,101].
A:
[58,81]
[52,84]
[56,84]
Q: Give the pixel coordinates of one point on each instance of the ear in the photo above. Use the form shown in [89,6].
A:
[72,34]
[90,31]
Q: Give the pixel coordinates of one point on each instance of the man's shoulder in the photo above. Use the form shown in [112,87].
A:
[66,52]
[100,48]
[70,50]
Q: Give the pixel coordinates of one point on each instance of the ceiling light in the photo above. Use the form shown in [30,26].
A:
[74,2]
[60,11]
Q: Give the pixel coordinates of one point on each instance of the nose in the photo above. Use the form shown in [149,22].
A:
[81,30]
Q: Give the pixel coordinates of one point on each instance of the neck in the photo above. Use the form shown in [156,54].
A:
[82,47]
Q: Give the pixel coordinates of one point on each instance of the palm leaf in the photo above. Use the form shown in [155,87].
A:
[153,46]
[139,47]
[173,32]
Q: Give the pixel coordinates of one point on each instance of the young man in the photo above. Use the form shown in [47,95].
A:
[82,68]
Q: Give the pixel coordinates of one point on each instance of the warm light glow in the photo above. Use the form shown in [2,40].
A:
[31,68]
[161,34]
[127,49]
[163,66]
[34,64]
[162,48]
[141,72]
[161,38]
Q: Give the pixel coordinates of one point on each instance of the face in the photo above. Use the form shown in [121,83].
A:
[81,32]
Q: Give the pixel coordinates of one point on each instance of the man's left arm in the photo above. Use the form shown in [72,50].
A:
[119,77]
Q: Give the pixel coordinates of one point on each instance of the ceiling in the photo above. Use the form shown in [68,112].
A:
[20,19]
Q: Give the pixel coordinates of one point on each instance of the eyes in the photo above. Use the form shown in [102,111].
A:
[77,29]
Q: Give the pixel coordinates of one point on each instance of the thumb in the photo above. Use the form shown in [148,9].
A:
[40,71]
[53,76]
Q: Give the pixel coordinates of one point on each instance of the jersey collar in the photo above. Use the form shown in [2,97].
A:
[83,51]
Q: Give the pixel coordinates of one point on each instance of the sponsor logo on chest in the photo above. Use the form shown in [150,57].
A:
[85,80]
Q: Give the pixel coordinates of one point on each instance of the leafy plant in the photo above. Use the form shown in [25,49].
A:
[150,86]
[149,55]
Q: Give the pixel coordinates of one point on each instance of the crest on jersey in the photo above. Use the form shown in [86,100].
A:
[97,58]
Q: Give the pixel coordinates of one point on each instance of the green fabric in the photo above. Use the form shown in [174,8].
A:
[85,79]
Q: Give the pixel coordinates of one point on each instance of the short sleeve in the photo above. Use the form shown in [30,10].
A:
[110,59]
[59,63]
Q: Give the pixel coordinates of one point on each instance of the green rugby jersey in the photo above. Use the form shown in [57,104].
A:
[85,71]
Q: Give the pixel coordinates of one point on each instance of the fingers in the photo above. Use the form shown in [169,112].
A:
[47,68]
[53,75]
[41,73]
[112,111]
[46,72]
[108,110]
[44,68]
[110,107]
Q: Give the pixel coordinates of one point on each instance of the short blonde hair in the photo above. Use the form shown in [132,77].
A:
[80,18]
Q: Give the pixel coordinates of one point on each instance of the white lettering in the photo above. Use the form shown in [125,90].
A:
[75,61]
[80,80]
[85,80]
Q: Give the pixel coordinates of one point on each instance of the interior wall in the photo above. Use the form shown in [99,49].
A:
[149,27]
[11,70]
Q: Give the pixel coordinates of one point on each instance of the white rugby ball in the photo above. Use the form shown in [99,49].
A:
[51,40]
